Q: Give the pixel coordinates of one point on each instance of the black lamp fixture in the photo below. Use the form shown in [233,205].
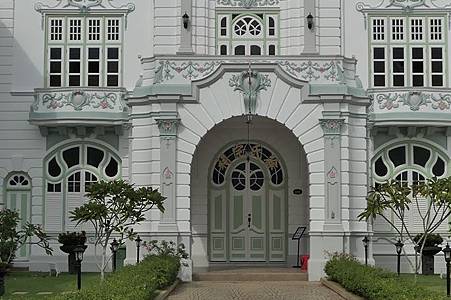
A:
[399,246]
[248,148]
[366,242]
[447,252]
[114,247]
[185,18]
[138,241]
[310,21]
[78,251]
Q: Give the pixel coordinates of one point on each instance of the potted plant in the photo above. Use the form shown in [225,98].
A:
[70,241]
[431,247]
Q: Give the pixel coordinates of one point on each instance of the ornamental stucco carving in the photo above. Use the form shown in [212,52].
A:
[414,100]
[78,100]
[331,126]
[308,70]
[248,3]
[168,127]
[250,83]
[83,5]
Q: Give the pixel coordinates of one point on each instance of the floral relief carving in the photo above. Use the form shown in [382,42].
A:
[83,5]
[414,100]
[79,100]
[248,3]
[311,71]
[189,70]
[250,83]
[331,126]
[168,127]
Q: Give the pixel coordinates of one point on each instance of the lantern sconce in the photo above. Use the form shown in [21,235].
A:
[310,21]
[185,18]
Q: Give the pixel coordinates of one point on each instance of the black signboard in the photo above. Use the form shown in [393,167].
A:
[297,236]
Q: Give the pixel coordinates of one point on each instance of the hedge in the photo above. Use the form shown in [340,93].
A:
[140,281]
[374,283]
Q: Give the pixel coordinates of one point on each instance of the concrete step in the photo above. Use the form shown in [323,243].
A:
[252,274]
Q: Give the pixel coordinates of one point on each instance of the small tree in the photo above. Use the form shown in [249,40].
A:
[398,199]
[113,208]
[12,237]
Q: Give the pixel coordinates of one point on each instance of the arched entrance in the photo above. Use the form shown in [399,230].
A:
[247,205]
[242,205]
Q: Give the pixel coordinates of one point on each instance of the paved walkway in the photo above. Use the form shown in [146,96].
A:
[250,290]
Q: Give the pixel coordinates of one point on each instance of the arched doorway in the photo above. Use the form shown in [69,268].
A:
[227,186]
[247,205]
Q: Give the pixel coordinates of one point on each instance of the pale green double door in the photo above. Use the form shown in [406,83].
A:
[247,217]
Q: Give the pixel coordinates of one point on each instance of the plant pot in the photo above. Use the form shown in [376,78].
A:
[71,262]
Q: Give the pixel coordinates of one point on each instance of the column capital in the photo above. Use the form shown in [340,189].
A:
[331,126]
[168,126]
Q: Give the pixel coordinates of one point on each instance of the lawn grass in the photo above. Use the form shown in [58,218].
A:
[34,283]
[431,282]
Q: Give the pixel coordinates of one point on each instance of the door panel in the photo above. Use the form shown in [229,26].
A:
[20,202]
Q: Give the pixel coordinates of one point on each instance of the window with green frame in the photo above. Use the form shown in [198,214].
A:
[248,34]
[410,163]
[408,51]
[83,51]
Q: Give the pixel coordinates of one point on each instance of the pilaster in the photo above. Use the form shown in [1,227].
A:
[332,164]
[186,34]
[168,126]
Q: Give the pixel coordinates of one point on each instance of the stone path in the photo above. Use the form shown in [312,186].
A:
[249,290]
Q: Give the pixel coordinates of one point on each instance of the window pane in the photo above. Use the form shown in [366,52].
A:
[380,168]
[223,50]
[74,53]
[93,80]
[72,156]
[398,80]
[437,67]
[439,167]
[53,168]
[418,80]
[55,67]
[93,67]
[112,80]
[256,50]
[74,67]
[436,53]
[417,53]
[272,50]
[398,156]
[398,66]
[113,53]
[55,53]
[379,53]
[379,67]
[112,168]
[113,67]
[379,80]
[420,155]
[240,50]
[55,80]
[417,67]
[93,53]
[437,80]
[398,53]
[95,156]
[74,80]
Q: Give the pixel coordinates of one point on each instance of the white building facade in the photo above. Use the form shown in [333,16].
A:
[253,118]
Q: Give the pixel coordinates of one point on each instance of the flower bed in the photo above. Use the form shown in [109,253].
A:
[141,281]
[374,283]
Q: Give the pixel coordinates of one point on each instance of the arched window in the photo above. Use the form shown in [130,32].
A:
[248,34]
[69,171]
[410,163]
[18,198]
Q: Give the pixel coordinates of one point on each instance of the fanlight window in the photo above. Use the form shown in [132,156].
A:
[259,152]
[19,181]
[247,34]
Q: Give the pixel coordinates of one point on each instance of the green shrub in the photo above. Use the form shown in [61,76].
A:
[374,283]
[432,239]
[132,282]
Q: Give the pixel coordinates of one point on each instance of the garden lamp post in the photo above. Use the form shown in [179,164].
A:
[399,246]
[114,247]
[79,250]
[366,242]
[447,253]
[138,245]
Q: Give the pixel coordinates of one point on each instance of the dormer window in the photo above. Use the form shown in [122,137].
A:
[83,51]
[248,34]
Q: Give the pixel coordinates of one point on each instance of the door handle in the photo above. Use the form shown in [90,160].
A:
[249,220]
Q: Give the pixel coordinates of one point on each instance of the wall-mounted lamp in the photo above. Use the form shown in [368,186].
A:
[310,21]
[185,18]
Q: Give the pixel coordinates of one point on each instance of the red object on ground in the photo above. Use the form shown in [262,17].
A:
[304,262]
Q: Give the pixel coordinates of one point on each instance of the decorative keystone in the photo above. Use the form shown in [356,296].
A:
[168,127]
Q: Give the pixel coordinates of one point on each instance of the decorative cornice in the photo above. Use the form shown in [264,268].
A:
[331,126]
[250,83]
[247,3]
[168,127]
[83,5]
